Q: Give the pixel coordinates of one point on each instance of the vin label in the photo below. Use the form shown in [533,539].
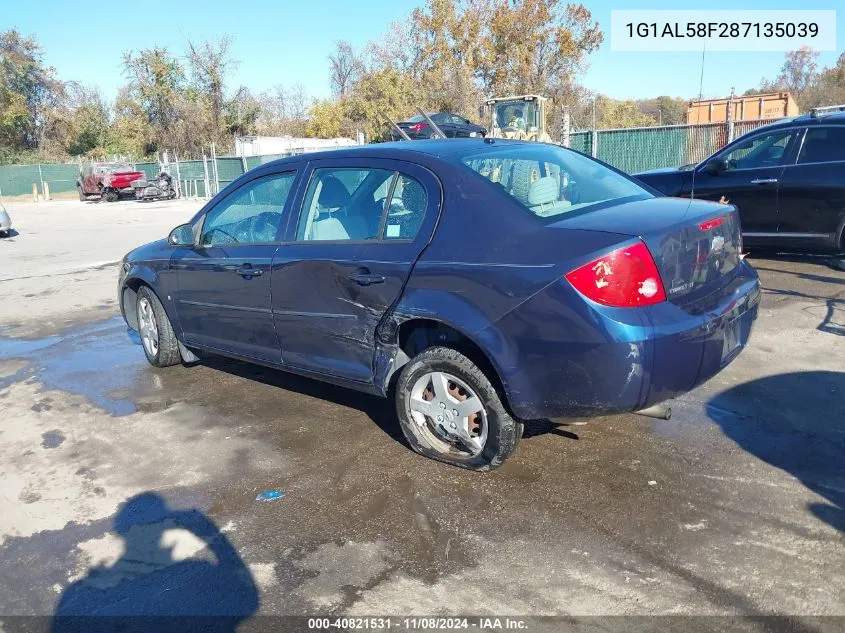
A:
[722,30]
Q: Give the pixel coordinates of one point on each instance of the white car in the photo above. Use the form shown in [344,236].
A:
[5,222]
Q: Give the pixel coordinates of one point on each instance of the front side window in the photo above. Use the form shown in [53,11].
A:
[550,181]
[360,204]
[823,145]
[250,214]
[764,150]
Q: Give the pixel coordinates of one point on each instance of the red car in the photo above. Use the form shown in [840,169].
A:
[107,180]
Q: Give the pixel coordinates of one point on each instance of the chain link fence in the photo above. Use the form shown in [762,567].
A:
[639,149]
[630,149]
[194,178]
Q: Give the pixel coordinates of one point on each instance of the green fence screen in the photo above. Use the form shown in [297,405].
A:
[631,150]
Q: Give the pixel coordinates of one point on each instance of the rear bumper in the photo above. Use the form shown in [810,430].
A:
[595,360]
[689,351]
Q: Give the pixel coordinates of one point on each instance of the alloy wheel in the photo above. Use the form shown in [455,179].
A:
[449,413]
[148,326]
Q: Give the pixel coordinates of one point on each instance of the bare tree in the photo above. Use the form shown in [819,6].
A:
[284,111]
[345,67]
[210,63]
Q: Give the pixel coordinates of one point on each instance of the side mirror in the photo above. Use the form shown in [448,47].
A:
[182,235]
[716,166]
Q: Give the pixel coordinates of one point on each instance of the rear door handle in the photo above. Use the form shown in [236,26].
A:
[764,181]
[363,277]
[249,271]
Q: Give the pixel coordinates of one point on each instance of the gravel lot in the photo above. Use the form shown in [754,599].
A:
[123,482]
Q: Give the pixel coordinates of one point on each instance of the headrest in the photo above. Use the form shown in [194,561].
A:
[543,191]
[333,193]
[413,196]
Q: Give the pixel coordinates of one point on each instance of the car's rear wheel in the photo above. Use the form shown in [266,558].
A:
[450,411]
[110,195]
[157,337]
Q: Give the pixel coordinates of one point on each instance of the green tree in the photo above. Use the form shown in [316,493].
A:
[157,83]
[665,110]
[28,89]
[210,63]
[612,113]
[828,88]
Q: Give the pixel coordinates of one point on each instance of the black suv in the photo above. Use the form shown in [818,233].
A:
[787,179]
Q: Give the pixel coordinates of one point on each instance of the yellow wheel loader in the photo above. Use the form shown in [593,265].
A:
[521,117]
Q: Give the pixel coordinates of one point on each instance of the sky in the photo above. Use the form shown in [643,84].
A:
[286,42]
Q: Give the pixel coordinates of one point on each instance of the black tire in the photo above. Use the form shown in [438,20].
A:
[82,196]
[526,173]
[837,263]
[503,432]
[167,349]
[110,195]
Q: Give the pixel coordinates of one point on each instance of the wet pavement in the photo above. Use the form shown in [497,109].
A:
[129,485]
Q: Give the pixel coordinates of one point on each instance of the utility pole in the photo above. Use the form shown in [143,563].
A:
[729,116]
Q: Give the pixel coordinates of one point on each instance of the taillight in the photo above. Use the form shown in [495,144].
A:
[711,224]
[624,278]
[418,126]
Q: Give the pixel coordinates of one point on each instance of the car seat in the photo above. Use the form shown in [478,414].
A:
[330,219]
[543,196]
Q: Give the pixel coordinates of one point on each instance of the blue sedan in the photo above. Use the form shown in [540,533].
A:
[478,283]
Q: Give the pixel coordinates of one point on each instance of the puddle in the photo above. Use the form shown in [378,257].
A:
[52,439]
[95,361]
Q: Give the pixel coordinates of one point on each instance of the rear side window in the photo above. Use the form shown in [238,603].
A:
[352,204]
[551,181]
[823,145]
[406,211]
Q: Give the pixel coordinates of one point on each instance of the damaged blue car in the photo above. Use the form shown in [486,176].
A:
[478,283]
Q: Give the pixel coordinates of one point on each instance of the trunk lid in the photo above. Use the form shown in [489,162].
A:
[696,245]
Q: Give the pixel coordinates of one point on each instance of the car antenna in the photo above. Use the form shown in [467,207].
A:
[700,96]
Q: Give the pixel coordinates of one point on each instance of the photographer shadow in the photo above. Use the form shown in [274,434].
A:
[178,572]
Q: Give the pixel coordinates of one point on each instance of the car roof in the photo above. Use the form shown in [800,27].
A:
[823,118]
[439,148]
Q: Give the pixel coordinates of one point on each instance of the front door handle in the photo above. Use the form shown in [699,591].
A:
[249,271]
[363,277]
[764,181]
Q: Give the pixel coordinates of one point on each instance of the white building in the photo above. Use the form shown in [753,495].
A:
[262,145]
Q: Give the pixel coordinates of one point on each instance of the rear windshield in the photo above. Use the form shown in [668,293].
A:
[550,181]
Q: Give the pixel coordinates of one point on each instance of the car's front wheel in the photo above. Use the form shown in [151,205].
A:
[157,337]
[450,411]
